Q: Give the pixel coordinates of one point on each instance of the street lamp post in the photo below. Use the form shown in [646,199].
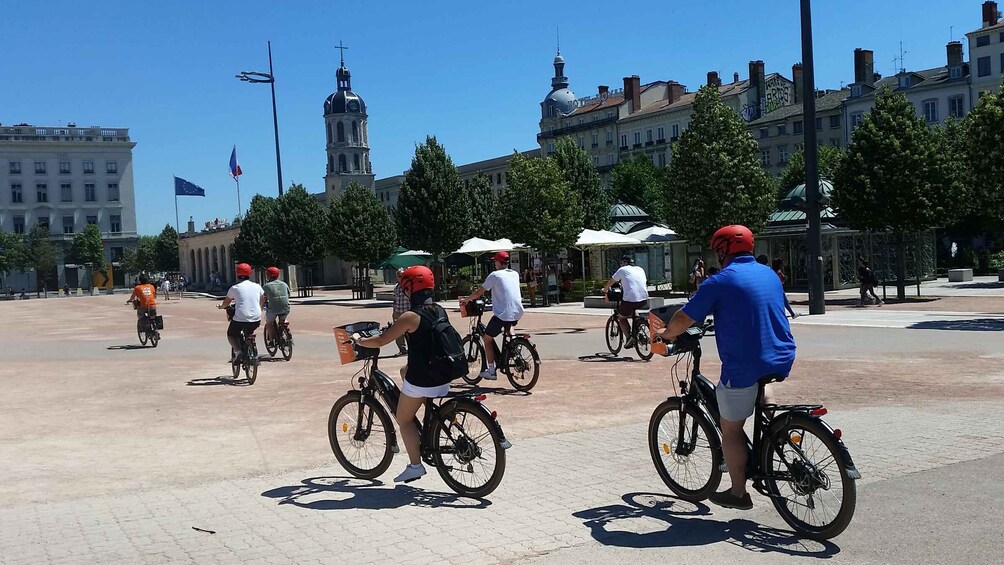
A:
[269,77]
[817,302]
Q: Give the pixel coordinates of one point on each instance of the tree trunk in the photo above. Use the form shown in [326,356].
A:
[900,266]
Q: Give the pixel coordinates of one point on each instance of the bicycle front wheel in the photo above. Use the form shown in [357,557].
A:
[142,336]
[642,341]
[154,338]
[806,478]
[685,449]
[615,339]
[468,453]
[360,436]
[474,351]
[523,364]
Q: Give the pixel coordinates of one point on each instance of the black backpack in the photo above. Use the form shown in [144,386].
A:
[447,360]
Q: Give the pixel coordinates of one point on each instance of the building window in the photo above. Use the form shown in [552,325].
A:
[550,148]
[648,136]
[596,161]
[582,141]
[15,167]
[90,195]
[676,131]
[835,142]
[904,81]
[765,157]
[931,111]
[343,164]
[955,72]
[1002,37]
[111,167]
[1002,62]
[956,106]
[624,141]
[498,178]
[796,127]
[340,132]
[116,223]
[39,167]
[92,220]
[18,224]
[661,133]
[41,192]
[64,167]
[16,195]
[764,133]
[782,129]
[856,118]
[355,162]
[610,159]
[113,192]
[66,192]
[662,159]
[819,124]
[637,138]
[43,222]
[782,155]
[88,167]
[983,66]
[67,224]
[856,90]
[835,121]
[610,137]
[596,139]
[117,253]
[983,41]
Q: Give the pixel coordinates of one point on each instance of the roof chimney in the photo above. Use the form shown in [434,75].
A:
[990,14]
[796,78]
[713,79]
[632,92]
[864,66]
[735,78]
[604,90]
[675,90]
[758,82]
[954,53]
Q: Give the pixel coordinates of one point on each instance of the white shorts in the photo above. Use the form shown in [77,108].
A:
[736,404]
[424,391]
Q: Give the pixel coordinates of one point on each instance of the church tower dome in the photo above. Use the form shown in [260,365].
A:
[561,100]
[345,124]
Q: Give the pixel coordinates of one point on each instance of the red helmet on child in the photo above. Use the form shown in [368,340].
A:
[272,272]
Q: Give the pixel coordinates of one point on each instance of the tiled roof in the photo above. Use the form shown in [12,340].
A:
[494,162]
[998,25]
[611,101]
[931,78]
[687,99]
[829,101]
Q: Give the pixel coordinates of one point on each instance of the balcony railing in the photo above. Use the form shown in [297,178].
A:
[57,134]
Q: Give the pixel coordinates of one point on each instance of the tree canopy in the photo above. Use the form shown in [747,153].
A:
[484,208]
[298,227]
[359,228]
[11,252]
[984,153]
[87,247]
[636,181]
[142,258]
[583,180]
[253,244]
[793,174]
[165,249]
[540,208]
[433,213]
[715,177]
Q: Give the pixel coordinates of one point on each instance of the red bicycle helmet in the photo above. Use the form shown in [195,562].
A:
[272,272]
[501,257]
[417,278]
[243,270]
[732,240]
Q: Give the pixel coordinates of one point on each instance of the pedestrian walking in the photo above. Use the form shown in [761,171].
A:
[402,304]
[868,281]
[697,274]
[530,278]
[778,267]
[165,289]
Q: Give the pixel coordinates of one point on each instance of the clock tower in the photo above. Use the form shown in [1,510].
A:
[347,137]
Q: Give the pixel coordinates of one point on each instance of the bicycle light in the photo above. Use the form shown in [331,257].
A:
[495,415]
[818,412]
[837,433]
[480,397]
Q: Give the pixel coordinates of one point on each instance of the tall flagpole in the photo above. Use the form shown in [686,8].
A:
[239,207]
[177,224]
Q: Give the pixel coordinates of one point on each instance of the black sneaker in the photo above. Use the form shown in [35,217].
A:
[728,500]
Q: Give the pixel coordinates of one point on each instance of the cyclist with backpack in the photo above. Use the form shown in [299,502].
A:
[435,357]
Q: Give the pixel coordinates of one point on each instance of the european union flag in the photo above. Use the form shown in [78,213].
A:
[184,188]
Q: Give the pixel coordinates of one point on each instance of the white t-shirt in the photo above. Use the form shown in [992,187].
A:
[507,301]
[165,286]
[247,301]
[634,282]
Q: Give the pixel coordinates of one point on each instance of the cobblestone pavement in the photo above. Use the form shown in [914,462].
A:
[559,491]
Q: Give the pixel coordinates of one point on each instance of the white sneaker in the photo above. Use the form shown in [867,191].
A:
[488,375]
[411,473]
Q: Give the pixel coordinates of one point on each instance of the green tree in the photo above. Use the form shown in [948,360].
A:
[359,228]
[984,154]
[11,252]
[638,182]
[433,213]
[484,208]
[299,227]
[540,208]
[894,178]
[41,254]
[794,172]
[715,178]
[87,247]
[166,250]
[254,243]
[584,181]
[142,258]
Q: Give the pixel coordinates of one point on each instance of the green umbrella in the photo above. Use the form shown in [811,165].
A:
[404,259]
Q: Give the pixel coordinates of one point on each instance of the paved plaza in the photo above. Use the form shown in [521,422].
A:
[114,453]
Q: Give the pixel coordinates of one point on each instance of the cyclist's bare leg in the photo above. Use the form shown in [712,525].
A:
[407,409]
[489,349]
[622,321]
[734,448]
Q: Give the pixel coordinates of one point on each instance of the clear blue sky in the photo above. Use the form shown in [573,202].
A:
[471,73]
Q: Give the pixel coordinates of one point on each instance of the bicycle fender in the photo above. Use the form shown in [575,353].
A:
[845,454]
[475,405]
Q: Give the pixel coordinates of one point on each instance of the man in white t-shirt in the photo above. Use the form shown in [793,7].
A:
[248,299]
[635,285]
[507,306]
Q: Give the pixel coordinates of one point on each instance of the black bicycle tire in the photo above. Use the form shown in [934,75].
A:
[251,363]
[638,329]
[142,336]
[781,428]
[714,443]
[154,338]
[479,348]
[612,320]
[385,421]
[286,347]
[273,348]
[235,366]
[513,347]
[442,465]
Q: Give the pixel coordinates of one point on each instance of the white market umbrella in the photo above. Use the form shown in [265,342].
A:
[599,239]
[654,234]
[476,246]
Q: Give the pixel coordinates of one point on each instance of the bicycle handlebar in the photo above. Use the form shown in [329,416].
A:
[689,340]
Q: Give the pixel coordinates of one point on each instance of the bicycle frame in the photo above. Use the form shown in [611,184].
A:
[478,329]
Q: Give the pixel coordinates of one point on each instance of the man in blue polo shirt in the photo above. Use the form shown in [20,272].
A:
[753,338]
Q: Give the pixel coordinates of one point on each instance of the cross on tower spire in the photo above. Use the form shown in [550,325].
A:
[342,48]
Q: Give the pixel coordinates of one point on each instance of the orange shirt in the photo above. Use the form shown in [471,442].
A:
[146,295]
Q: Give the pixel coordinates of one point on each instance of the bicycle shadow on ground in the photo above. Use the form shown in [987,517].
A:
[648,520]
[225,380]
[605,358]
[466,390]
[560,331]
[346,493]
[129,347]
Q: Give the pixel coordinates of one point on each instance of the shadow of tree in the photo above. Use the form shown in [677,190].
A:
[344,493]
[973,325]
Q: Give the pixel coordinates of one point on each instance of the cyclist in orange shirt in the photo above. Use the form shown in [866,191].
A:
[143,299]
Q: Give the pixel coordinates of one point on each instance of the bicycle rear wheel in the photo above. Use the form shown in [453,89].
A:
[142,336]
[642,341]
[806,478]
[360,436]
[688,462]
[272,345]
[235,365]
[613,335]
[286,347]
[474,351]
[154,338]
[523,364]
[468,454]
[251,363]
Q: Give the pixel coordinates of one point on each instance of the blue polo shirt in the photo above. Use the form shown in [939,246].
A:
[753,336]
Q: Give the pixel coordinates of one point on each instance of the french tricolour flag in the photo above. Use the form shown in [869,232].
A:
[235,169]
